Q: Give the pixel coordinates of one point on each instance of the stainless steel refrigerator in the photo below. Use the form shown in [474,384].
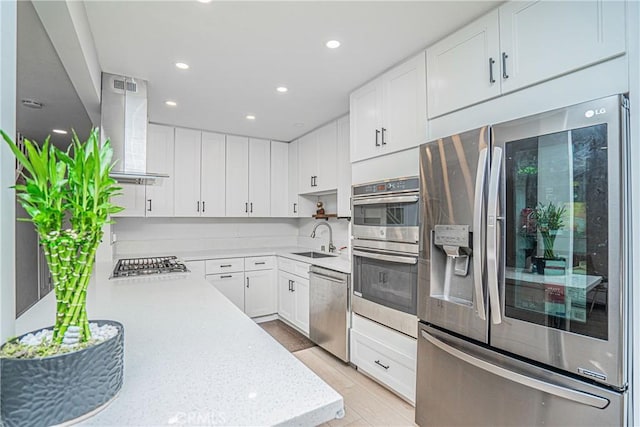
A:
[522,292]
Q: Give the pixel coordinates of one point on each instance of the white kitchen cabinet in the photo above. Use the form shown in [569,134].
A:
[389,114]
[197,268]
[292,181]
[545,39]
[317,160]
[259,177]
[343,165]
[237,176]
[464,68]
[248,177]
[286,304]
[293,293]
[279,179]
[518,45]
[307,162]
[159,194]
[199,160]
[260,293]
[231,285]
[212,174]
[300,293]
[153,199]
[187,172]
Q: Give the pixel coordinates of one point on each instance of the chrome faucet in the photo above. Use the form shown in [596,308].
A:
[332,247]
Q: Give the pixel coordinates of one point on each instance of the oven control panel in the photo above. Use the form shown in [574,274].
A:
[391,186]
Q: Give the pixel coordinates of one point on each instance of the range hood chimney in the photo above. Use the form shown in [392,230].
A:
[124,122]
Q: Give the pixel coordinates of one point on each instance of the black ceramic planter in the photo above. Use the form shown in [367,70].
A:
[52,390]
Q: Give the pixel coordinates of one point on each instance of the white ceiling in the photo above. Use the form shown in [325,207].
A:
[41,77]
[239,52]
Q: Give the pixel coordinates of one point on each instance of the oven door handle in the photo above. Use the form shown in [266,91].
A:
[384,257]
[390,199]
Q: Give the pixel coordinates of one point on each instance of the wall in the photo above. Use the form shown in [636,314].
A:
[169,235]
[7,167]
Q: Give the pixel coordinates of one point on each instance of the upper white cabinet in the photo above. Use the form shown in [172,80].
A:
[343,168]
[544,39]
[463,68]
[518,45]
[153,199]
[293,207]
[317,160]
[248,177]
[390,113]
[199,173]
[280,179]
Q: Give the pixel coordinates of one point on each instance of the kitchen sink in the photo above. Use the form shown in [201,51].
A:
[313,254]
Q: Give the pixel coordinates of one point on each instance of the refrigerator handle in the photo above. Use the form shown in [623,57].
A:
[479,234]
[534,383]
[493,235]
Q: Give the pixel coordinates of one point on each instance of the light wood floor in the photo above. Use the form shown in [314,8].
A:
[366,402]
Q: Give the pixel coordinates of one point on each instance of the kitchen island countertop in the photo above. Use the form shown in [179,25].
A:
[193,358]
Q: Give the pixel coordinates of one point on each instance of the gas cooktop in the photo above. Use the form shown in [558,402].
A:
[147,266]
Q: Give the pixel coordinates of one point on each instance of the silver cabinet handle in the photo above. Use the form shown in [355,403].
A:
[504,65]
[478,234]
[382,200]
[491,62]
[293,286]
[246,207]
[290,281]
[149,209]
[295,208]
[312,180]
[198,206]
[203,206]
[384,257]
[377,133]
[225,265]
[383,132]
[247,282]
[260,263]
[226,276]
[543,386]
[377,362]
[493,232]
[251,208]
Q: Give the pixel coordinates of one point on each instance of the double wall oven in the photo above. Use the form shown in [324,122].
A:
[385,228]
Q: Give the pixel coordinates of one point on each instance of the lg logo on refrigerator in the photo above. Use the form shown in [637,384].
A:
[590,113]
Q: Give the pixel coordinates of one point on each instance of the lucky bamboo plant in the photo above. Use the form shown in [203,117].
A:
[67,197]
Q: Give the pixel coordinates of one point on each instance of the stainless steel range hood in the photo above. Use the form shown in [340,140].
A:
[124,122]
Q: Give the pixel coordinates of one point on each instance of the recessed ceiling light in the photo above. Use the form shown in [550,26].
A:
[332,44]
[60,131]
[204,1]
[171,103]
[182,65]
[281,89]
[250,117]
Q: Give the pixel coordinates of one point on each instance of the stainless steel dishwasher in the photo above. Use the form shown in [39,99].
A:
[329,292]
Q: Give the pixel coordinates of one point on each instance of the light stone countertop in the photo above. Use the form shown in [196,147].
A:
[193,358]
[340,263]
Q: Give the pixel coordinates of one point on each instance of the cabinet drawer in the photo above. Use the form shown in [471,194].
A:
[390,367]
[231,285]
[259,263]
[224,265]
[294,267]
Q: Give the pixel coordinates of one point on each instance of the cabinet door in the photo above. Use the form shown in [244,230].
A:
[545,39]
[464,68]
[132,200]
[237,176]
[160,149]
[285,296]
[344,168]
[301,304]
[366,120]
[231,286]
[404,120]
[187,172]
[260,177]
[260,293]
[293,207]
[307,162]
[212,175]
[327,170]
[279,179]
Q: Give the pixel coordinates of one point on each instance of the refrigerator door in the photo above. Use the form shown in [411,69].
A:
[451,293]
[559,225]
[462,384]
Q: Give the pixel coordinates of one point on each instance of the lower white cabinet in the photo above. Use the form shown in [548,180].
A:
[259,293]
[293,293]
[386,355]
[196,268]
[231,285]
